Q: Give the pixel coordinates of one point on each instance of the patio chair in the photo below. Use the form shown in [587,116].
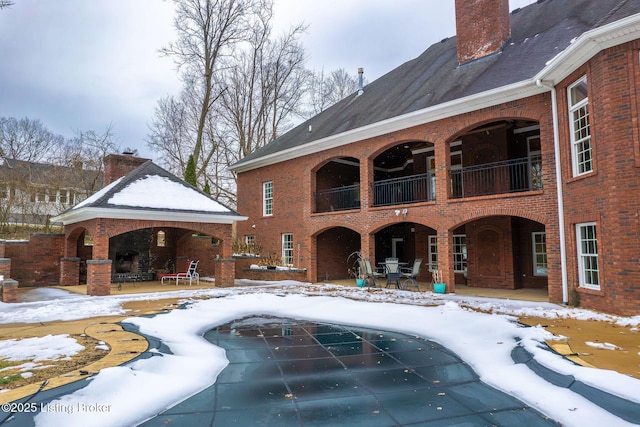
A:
[370,274]
[392,267]
[410,274]
[190,274]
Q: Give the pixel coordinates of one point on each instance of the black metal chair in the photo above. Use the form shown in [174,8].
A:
[410,274]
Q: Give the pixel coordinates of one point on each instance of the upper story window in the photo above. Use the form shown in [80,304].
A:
[267,198]
[581,153]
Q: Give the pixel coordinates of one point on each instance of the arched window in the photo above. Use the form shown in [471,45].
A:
[161,239]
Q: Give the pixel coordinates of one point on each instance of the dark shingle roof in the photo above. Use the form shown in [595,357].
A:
[539,32]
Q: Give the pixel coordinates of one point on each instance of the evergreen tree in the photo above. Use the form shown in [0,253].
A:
[190,172]
[206,188]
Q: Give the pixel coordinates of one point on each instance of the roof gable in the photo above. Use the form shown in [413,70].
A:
[150,192]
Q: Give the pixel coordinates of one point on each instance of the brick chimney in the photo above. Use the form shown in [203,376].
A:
[118,165]
[482,28]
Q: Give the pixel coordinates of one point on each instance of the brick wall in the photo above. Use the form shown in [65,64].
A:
[36,262]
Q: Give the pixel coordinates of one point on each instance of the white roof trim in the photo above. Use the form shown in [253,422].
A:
[580,51]
[88,213]
[448,109]
[587,45]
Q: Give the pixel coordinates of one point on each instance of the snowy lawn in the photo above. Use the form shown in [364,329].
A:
[140,389]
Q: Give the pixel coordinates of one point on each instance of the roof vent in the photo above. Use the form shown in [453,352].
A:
[360,81]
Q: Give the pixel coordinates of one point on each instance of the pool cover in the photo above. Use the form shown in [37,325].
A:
[285,372]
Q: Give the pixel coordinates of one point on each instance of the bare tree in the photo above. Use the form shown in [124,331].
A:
[207,31]
[5,3]
[325,91]
[28,140]
[240,87]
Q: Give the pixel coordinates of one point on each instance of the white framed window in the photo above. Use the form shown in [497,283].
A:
[287,248]
[250,240]
[539,241]
[432,250]
[587,243]
[267,198]
[459,253]
[581,153]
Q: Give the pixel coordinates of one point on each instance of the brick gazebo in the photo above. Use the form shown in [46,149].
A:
[146,197]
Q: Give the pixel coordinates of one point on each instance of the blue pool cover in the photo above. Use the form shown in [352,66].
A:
[285,372]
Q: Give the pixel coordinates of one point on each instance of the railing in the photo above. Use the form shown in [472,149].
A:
[338,199]
[408,189]
[508,176]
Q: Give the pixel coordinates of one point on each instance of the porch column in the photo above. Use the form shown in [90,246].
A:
[445,259]
[98,277]
[9,291]
[69,271]
[367,246]
[366,182]
[225,272]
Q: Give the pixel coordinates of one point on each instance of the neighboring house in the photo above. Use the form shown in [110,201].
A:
[31,193]
[506,157]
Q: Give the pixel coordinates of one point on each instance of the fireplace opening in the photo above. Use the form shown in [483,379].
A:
[126,262]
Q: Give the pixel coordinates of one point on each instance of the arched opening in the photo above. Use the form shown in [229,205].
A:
[404,173]
[408,241]
[139,255]
[501,252]
[496,158]
[333,249]
[338,185]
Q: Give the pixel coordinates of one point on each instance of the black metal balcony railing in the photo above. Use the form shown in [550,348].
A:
[338,199]
[508,176]
[408,189]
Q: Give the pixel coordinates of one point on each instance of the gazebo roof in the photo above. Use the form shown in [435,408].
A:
[150,193]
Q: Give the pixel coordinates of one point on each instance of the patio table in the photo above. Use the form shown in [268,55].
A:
[392,277]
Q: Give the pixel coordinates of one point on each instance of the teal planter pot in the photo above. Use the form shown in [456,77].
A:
[361,282]
[439,288]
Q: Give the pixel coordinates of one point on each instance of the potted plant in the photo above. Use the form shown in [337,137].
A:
[439,286]
[354,270]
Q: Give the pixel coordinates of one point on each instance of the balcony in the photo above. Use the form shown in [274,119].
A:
[338,199]
[404,190]
[511,176]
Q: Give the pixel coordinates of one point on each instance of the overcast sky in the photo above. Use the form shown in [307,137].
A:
[80,65]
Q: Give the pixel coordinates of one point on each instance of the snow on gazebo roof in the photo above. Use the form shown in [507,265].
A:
[150,193]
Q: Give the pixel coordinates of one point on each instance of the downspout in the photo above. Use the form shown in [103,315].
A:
[556,148]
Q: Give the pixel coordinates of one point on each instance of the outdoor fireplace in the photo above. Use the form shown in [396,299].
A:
[126,261]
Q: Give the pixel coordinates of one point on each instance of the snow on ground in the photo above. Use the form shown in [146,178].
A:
[140,389]
[50,347]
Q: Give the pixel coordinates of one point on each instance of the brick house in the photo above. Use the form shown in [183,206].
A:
[31,192]
[506,157]
[141,218]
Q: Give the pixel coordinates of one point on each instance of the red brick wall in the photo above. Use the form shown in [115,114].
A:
[36,262]
[609,196]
